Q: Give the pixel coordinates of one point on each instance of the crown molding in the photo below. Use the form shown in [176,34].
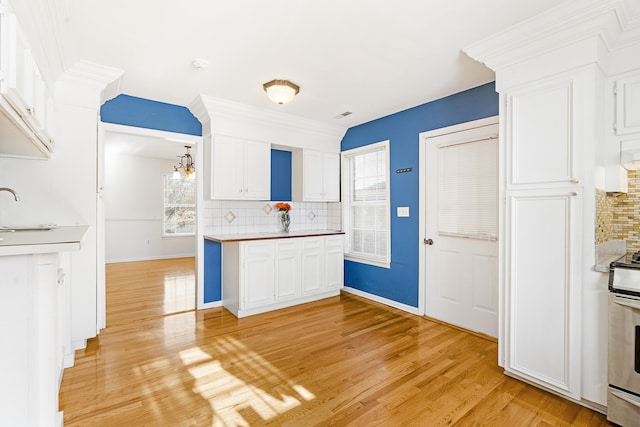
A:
[88,84]
[614,22]
[208,109]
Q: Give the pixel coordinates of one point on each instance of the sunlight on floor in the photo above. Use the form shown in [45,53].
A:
[238,381]
[179,292]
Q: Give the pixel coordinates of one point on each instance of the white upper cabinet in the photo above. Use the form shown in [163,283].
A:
[628,105]
[241,169]
[316,176]
[26,101]
[541,138]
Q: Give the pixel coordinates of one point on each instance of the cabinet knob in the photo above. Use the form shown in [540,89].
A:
[573,193]
[30,110]
[575,181]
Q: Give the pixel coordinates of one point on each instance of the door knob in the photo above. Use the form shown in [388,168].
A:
[428,242]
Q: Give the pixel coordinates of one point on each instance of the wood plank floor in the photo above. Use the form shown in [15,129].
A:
[341,361]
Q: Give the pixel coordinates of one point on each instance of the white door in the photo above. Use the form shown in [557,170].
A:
[461,205]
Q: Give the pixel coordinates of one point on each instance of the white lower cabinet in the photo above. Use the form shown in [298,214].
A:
[264,275]
[30,364]
[287,269]
[312,266]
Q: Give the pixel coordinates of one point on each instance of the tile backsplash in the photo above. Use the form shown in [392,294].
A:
[239,216]
[618,217]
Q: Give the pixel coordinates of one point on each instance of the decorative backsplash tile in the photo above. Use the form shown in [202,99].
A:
[260,216]
[604,217]
[626,214]
[618,217]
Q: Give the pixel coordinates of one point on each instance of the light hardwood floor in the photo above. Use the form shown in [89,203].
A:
[340,361]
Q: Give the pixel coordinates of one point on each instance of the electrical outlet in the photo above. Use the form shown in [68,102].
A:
[403,211]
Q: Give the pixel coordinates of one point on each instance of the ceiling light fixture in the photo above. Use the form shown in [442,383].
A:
[186,163]
[281,91]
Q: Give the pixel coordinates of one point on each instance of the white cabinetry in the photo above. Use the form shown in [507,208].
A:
[264,275]
[30,363]
[241,169]
[316,176]
[544,153]
[313,269]
[25,104]
[287,269]
[256,274]
[627,92]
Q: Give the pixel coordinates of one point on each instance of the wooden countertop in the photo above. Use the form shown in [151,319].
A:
[59,239]
[241,237]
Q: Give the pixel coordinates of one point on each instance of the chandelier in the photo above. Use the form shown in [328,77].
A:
[186,164]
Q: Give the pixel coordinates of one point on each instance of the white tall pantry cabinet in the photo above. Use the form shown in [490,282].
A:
[544,149]
[550,74]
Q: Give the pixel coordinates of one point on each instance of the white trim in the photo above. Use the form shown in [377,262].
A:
[381,300]
[212,304]
[150,258]
[361,260]
[153,133]
[422,138]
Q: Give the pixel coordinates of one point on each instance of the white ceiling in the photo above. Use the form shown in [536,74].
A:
[370,57]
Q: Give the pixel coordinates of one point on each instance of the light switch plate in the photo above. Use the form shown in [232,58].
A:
[403,211]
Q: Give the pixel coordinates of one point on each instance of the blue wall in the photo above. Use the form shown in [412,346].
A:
[212,271]
[145,113]
[400,282]
[281,175]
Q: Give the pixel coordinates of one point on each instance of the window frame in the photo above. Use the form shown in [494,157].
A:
[346,157]
[166,178]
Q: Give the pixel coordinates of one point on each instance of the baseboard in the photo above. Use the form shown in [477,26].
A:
[151,258]
[381,300]
[212,304]
[78,345]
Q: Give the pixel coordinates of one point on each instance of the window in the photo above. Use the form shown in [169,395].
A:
[365,190]
[179,218]
[468,189]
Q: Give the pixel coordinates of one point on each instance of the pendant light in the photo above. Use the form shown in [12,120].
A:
[186,164]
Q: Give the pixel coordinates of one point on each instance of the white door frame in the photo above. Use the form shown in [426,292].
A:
[422,286]
[198,155]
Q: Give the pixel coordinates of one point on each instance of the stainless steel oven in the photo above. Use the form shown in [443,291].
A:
[623,400]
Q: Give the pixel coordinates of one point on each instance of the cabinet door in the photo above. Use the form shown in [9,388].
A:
[287,269]
[257,170]
[20,72]
[334,262]
[543,288]
[313,176]
[628,105]
[312,265]
[542,137]
[228,168]
[257,287]
[331,177]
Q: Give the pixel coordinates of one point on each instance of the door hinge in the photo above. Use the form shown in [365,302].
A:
[615,126]
[615,89]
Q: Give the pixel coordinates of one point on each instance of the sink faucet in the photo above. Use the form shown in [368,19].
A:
[15,195]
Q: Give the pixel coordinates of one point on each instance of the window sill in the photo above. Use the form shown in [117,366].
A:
[361,260]
[175,236]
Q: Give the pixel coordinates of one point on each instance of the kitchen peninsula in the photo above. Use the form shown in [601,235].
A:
[267,271]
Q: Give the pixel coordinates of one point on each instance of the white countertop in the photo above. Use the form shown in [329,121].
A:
[239,237]
[59,239]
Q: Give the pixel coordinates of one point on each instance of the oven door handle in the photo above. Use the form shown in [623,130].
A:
[626,303]
[625,397]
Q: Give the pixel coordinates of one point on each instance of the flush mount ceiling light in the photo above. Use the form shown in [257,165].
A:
[281,91]
[186,164]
